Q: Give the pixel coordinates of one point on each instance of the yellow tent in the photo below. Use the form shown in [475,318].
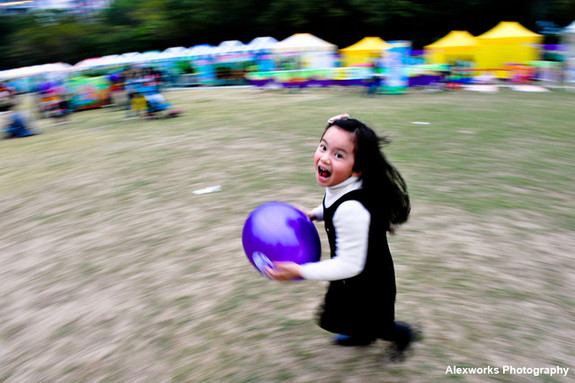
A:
[508,42]
[363,52]
[456,45]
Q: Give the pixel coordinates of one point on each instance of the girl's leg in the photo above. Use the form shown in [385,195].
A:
[402,335]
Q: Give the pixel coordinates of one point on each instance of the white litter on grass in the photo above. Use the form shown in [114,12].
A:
[420,123]
[211,189]
[482,88]
[529,88]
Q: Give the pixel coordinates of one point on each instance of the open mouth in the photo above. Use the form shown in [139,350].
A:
[323,172]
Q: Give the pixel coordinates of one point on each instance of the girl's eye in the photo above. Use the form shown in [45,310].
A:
[338,155]
[322,147]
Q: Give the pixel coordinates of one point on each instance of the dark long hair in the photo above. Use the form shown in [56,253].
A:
[383,185]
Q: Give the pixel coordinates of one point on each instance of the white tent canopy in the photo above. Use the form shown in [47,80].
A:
[175,50]
[130,57]
[175,53]
[201,50]
[312,51]
[261,44]
[111,60]
[229,47]
[88,63]
[569,28]
[568,39]
[150,56]
[35,70]
[303,42]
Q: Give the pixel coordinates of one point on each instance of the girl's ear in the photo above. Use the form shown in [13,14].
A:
[356,174]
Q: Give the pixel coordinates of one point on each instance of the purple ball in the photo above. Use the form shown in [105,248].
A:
[277,231]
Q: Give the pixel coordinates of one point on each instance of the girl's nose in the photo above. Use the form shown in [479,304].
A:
[325,157]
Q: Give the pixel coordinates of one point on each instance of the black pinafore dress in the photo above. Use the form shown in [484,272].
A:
[363,305]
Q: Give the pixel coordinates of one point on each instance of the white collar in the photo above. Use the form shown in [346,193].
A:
[333,193]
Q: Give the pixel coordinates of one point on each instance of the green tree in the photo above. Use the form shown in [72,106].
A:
[68,40]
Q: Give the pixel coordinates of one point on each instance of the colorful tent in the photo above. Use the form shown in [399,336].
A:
[568,40]
[310,51]
[262,48]
[507,43]
[456,45]
[364,51]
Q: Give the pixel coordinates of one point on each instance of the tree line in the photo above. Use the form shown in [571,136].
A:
[142,25]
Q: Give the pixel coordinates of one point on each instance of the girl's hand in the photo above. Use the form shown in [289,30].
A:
[311,215]
[284,271]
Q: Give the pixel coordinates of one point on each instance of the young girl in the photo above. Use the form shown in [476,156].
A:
[365,197]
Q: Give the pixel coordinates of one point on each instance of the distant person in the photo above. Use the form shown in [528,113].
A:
[365,198]
[138,105]
[7,97]
[373,83]
[18,125]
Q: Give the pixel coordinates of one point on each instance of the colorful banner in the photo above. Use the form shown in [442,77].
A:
[395,63]
[205,72]
[88,92]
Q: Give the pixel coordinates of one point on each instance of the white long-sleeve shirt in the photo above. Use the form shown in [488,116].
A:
[351,222]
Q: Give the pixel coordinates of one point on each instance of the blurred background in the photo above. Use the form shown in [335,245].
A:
[95,45]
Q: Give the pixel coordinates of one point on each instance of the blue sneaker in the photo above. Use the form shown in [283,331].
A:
[346,340]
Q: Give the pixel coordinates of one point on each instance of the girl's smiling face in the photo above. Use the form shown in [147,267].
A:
[335,157]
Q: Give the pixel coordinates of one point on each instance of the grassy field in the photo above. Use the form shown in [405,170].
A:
[113,270]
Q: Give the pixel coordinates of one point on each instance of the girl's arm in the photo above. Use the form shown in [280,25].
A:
[316,214]
[351,221]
